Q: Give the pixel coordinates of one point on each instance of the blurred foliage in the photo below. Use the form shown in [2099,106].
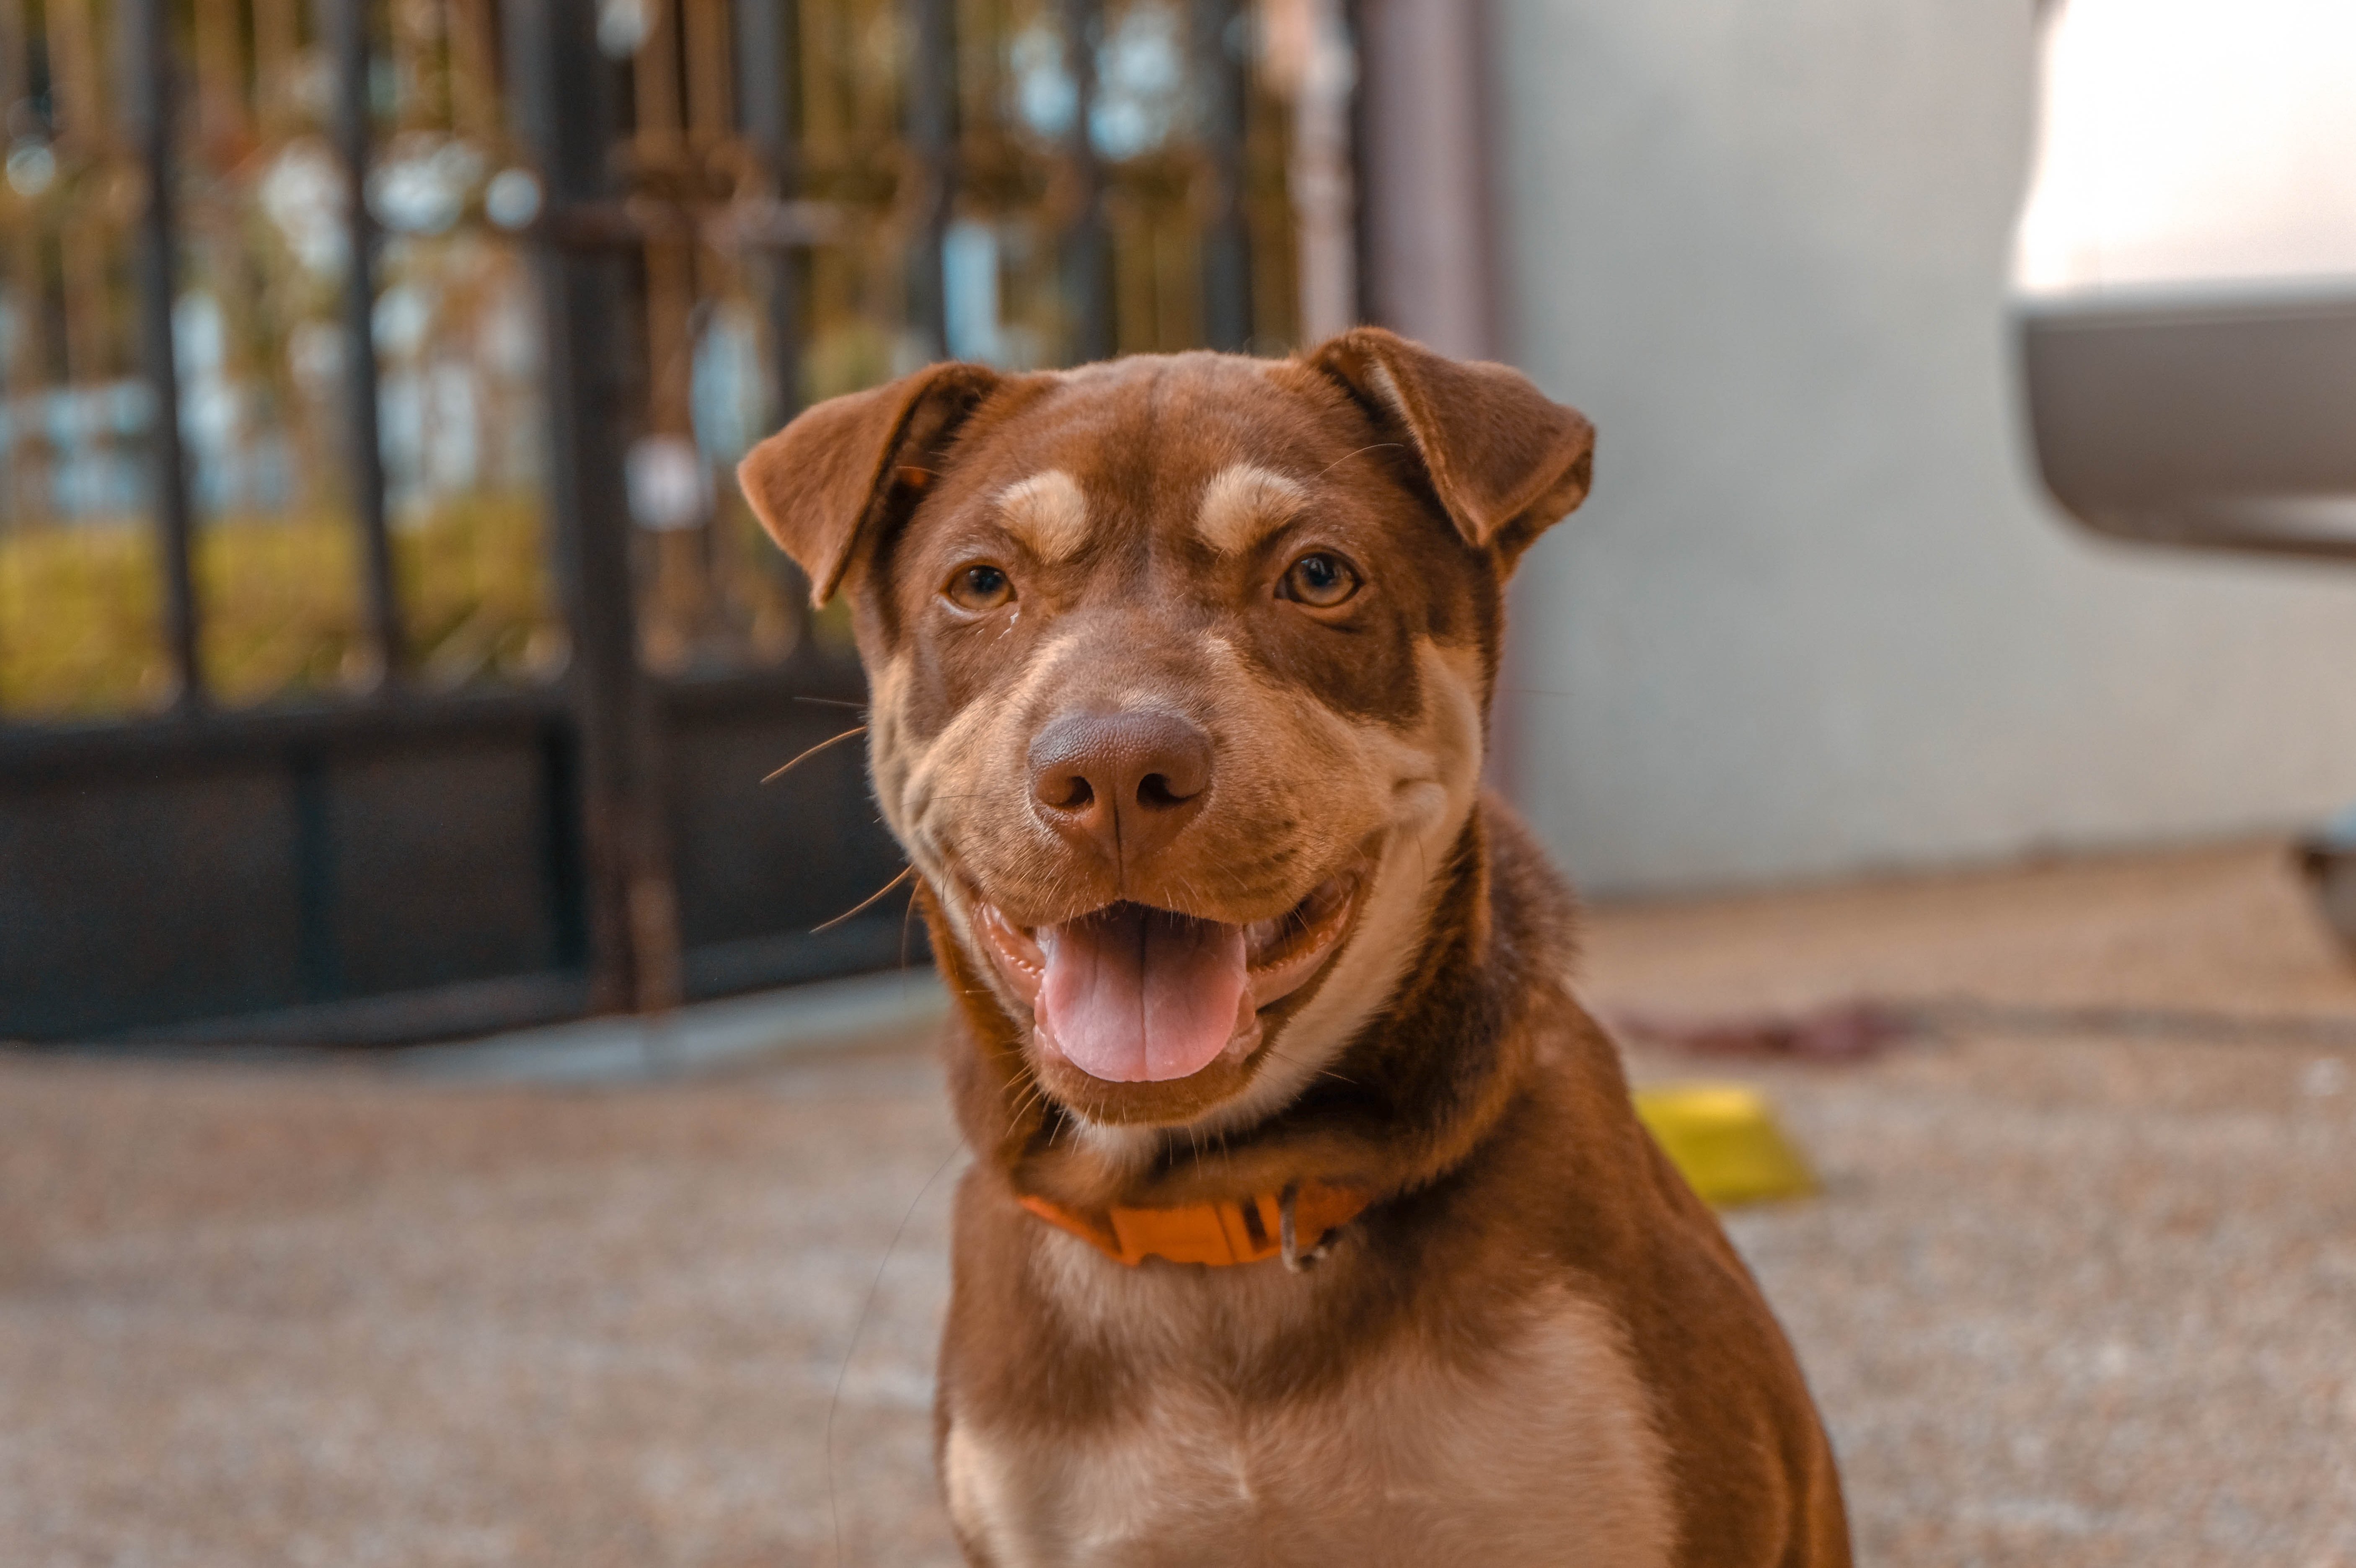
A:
[280,607]
[80,621]
[475,592]
[81,608]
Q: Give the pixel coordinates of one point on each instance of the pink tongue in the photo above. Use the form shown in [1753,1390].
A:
[1137,994]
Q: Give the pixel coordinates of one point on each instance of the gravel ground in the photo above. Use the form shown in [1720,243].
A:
[2080,1288]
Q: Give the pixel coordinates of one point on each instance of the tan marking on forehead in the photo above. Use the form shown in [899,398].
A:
[1047,513]
[1243,504]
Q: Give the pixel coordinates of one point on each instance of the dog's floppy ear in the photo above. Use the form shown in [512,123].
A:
[839,469]
[1507,462]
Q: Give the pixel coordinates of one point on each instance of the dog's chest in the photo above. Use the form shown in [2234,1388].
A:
[1542,1451]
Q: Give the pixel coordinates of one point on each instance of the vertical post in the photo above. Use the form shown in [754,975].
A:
[767,40]
[768,107]
[1219,58]
[562,112]
[1088,244]
[932,124]
[347,29]
[1429,254]
[150,104]
[1321,170]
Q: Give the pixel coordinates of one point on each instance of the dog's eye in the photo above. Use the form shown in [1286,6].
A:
[981,586]
[1320,581]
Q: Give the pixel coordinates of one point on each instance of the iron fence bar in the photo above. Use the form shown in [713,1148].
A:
[564,113]
[151,101]
[1220,59]
[769,53]
[932,128]
[1087,243]
[767,35]
[347,27]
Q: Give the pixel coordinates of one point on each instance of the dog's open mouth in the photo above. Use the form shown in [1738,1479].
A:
[1132,994]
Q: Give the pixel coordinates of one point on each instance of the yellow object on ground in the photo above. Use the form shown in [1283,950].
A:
[1723,1137]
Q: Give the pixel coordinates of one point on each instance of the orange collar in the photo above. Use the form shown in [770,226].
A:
[1294,1224]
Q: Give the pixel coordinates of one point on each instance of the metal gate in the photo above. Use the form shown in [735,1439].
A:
[383,652]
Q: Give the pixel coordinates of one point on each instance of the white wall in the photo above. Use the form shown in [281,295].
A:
[1816,616]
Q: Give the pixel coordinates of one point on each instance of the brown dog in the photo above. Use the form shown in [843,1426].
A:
[1310,1222]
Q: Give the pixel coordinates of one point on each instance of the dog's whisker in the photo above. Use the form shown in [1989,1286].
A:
[906,872]
[812,752]
[1033,1093]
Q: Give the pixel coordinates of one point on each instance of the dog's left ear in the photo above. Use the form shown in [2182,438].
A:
[835,475]
[1506,461]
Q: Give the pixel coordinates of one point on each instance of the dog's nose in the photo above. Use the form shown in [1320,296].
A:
[1122,783]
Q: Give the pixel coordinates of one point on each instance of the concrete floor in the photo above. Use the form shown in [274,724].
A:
[2080,1290]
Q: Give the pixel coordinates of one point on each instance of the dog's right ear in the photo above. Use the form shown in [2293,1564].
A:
[838,471]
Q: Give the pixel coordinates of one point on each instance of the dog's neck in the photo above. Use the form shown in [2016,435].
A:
[1404,1100]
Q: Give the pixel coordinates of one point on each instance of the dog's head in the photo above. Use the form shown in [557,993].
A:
[1178,671]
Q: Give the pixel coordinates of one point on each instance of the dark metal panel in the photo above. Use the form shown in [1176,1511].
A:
[436,871]
[346,25]
[779,859]
[318,955]
[893,940]
[153,101]
[145,901]
[399,866]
